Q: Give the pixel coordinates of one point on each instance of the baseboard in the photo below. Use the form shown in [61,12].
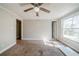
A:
[7,47]
[31,39]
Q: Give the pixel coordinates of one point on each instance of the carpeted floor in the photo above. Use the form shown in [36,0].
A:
[32,48]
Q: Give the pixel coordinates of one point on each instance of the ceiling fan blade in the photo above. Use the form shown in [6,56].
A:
[45,10]
[37,14]
[28,9]
[36,4]
[40,4]
[32,4]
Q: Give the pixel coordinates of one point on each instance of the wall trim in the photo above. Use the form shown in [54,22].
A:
[7,47]
[31,39]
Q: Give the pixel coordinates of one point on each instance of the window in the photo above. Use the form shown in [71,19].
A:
[71,28]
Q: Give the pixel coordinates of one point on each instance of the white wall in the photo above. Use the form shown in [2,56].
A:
[37,29]
[59,30]
[7,29]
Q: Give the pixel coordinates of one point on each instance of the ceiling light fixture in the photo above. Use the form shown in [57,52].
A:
[36,9]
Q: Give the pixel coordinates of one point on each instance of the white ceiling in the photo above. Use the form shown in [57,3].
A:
[57,10]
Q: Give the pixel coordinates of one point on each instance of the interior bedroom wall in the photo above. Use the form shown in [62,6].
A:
[7,29]
[37,29]
[59,30]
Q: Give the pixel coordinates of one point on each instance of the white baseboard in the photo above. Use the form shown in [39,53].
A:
[31,39]
[7,47]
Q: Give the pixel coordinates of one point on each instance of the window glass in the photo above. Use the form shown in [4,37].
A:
[71,28]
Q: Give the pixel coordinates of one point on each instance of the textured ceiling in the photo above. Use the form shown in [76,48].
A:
[57,10]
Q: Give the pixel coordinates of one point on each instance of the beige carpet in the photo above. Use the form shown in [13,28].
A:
[32,48]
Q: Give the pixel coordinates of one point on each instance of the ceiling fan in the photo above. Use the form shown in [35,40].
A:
[37,7]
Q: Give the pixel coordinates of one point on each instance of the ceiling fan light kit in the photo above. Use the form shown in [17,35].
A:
[36,9]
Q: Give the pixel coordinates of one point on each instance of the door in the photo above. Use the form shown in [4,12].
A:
[18,29]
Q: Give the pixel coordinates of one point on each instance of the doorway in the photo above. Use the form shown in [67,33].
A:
[53,29]
[18,29]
